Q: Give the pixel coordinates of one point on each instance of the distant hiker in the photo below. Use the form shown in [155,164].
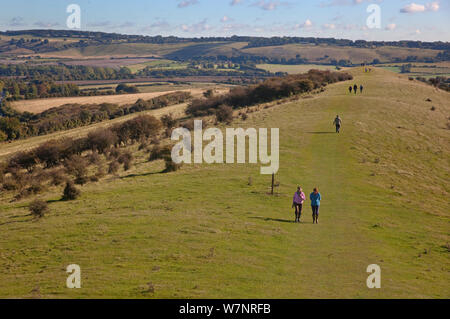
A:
[355,88]
[315,198]
[299,199]
[350,89]
[361,88]
[338,123]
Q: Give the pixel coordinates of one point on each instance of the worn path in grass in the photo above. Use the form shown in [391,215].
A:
[204,232]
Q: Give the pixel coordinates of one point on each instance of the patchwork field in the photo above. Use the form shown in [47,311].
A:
[212,231]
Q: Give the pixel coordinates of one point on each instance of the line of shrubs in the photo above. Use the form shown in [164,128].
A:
[69,116]
[17,89]
[440,82]
[270,90]
[69,161]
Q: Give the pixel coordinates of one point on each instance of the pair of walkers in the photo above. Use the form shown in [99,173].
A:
[300,198]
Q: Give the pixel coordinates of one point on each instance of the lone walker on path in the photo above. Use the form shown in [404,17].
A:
[315,198]
[338,123]
[299,199]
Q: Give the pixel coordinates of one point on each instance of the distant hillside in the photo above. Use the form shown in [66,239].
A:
[239,49]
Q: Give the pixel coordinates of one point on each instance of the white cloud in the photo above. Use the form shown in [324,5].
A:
[307,24]
[187,3]
[415,8]
[329,26]
[268,5]
[196,27]
[391,27]
[434,6]
[46,25]
[17,22]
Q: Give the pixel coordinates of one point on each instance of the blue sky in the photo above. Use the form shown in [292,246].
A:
[426,20]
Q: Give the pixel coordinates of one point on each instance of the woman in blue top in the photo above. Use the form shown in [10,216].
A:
[315,198]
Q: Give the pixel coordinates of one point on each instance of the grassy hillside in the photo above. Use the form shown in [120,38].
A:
[118,50]
[205,232]
[326,53]
[187,51]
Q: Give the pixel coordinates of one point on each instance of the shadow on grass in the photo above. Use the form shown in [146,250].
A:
[321,133]
[17,221]
[267,219]
[143,175]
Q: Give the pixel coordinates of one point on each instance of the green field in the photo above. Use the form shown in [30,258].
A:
[204,232]
[425,70]
[158,64]
[294,69]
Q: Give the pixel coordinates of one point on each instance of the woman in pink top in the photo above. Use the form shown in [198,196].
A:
[299,199]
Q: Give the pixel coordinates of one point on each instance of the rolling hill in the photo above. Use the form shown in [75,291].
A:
[206,231]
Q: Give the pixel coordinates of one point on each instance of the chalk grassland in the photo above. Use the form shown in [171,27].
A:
[119,50]
[294,69]
[325,54]
[205,232]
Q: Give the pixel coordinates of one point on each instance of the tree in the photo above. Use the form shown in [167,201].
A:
[406,68]
[38,208]
[70,192]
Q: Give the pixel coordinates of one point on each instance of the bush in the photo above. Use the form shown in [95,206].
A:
[160,152]
[100,173]
[3,136]
[81,180]
[121,88]
[49,153]
[101,140]
[10,184]
[57,177]
[113,167]
[126,158]
[94,158]
[224,114]
[170,165]
[70,192]
[77,166]
[38,208]
[168,121]
[23,160]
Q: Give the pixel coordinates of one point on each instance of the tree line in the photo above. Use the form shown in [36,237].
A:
[270,90]
[61,72]
[16,125]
